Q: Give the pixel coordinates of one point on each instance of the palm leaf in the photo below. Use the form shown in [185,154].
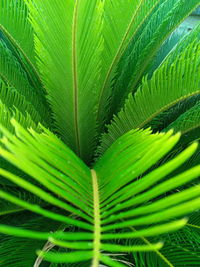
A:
[18,252]
[20,36]
[92,195]
[181,249]
[13,100]
[68,46]
[156,95]
[177,37]
[117,37]
[188,121]
[13,74]
[161,24]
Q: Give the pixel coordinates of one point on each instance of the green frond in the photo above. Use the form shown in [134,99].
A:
[17,251]
[19,35]
[18,28]
[169,84]
[181,249]
[179,36]
[68,48]
[188,121]
[10,208]
[138,58]
[12,99]
[117,36]
[12,73]
[92,196]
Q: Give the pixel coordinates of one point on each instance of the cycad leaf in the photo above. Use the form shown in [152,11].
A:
[117,37]
[23,249]
[179,36]
[13,74]
[170,83]
[18,27]
[92,195]
[20,36]
[188,121]
[13,100]
[68,46]
[170,14]
[181,249]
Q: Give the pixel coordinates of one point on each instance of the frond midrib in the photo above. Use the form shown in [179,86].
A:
[17,47]
[75,77]
[164,108]
[97,221]
[156,251]
[120,51]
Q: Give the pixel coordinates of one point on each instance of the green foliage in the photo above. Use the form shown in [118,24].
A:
[84,181]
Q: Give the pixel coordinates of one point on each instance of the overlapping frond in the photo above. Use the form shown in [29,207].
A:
[170,83]
[118,31]
[23,249]
[68,46]
[181,249]
[13,74]
[98,199]
[14,100]
[188,121]
[139,56]
[15,25]
[20,36]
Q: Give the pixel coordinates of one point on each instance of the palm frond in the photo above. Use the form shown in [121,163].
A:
[181,249]
[141,53]
[68,48]
[92,195]
[19,34]
[188,121]
[19,27]
[179,36]
[170,84]
[10,208]
[13,100]
[117,36]
[18,252]
[13,74]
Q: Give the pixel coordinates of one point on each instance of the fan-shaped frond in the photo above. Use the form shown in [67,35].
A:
[68,45]
[169,84]
[92,196]
[139,56]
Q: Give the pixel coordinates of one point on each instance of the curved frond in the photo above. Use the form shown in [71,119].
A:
[142,51]
[181,249]
[92,196]
[17,251]
[117,36]
[12,99]
[19,26]
[170,83]
[12,73]
[188,121]
[20,35]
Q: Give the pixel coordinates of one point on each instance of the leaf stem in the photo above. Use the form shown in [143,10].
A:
[75,76]
[97,222]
